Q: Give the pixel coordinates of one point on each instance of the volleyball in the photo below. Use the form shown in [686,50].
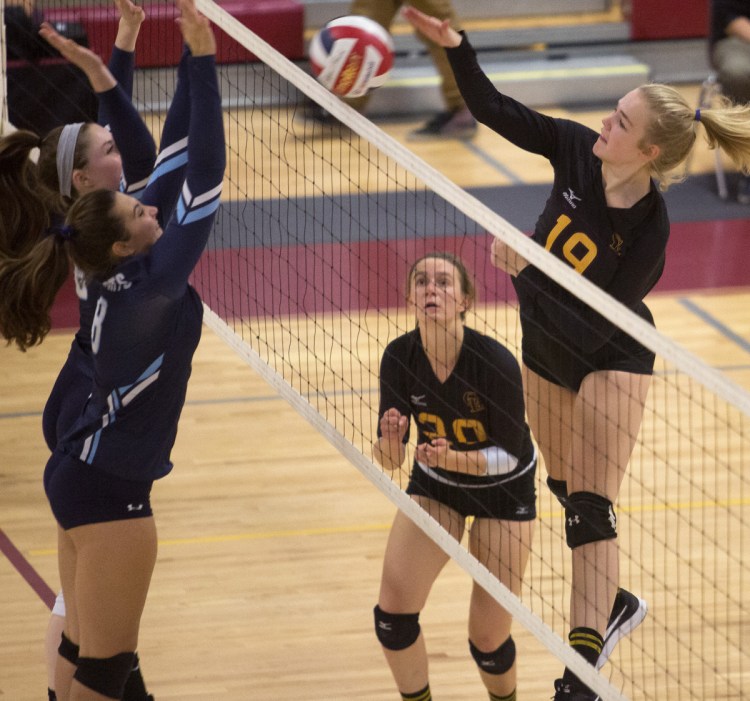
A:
[351,55]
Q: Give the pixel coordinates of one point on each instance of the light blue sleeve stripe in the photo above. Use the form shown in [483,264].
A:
[201,213]
[168,166]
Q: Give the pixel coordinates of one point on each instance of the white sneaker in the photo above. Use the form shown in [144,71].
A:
[627,614]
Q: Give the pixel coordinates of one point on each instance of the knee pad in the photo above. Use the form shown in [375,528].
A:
[106,676]
[589,518]
[560,489]
[497,662]
[396,631]
[68,650]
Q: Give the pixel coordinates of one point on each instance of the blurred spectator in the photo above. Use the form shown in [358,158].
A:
[22,22]
[44,90]
[729,46]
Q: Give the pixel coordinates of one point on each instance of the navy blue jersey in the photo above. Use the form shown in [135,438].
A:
[136,146]
[148,319]
[620,250]
[479,406]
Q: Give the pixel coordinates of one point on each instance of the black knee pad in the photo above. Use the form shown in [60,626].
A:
[396,631]
[68,650]
[105,676]
[589,518]
[560,489]
[497,662]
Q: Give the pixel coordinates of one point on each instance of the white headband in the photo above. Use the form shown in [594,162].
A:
[66,149]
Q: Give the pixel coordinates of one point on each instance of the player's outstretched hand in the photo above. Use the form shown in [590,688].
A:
[88,61]
[439,31]
[131,19]
[196,29]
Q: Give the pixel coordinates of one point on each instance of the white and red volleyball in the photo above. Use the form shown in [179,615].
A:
[351,55]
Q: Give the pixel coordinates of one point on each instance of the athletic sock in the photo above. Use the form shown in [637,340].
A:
[423,695]
[588,643]
[510,697]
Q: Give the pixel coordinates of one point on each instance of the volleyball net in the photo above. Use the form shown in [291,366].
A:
[305,279]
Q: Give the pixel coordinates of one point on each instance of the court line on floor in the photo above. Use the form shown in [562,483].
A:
[45,593]
[494,163]
[26,570]
[714,323]
[553,514]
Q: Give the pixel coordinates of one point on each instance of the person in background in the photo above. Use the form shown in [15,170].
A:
[474,459]
[729,52]
[22,22]
[586,381]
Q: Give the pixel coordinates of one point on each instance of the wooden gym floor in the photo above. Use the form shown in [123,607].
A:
[270,543]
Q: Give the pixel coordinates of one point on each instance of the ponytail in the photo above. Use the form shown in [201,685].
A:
[674,126]
[24,215]
[28,287]
[728,128]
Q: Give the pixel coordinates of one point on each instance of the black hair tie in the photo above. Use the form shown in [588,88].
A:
[64,232]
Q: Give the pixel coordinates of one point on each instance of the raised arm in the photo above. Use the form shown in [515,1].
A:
[122,60]
[99,76]
[176,253]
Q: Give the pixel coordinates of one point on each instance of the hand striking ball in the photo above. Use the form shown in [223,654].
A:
[351,55]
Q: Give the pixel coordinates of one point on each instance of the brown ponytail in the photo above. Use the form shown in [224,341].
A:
[24,216]
[28,287]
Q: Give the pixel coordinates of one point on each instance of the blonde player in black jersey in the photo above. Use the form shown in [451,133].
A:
[586,381]
[474,457]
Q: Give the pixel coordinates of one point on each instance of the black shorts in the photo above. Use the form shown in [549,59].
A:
[556,361]
[80,494]
[507,498]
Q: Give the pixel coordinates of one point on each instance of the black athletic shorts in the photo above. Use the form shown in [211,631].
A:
[80,494]
[558,362]
[510,498]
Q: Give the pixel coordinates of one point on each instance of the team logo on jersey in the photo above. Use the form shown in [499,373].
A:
[473,401]
[571,197]
[419,399]
[616,244]
[117,283]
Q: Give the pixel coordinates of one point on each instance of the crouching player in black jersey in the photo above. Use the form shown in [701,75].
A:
[586,381]
[146,326]
[474,457]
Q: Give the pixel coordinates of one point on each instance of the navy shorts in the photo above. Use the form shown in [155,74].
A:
[558,362]
[508,498]
[80,494]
